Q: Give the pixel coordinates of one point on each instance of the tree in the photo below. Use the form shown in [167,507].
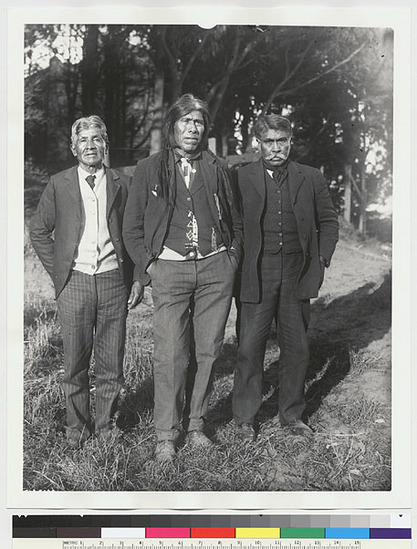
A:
[334,83]
[337,84]
[89,67]
[86,69]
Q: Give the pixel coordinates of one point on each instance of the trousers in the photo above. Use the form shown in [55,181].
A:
[279,275]
[92,312]
[192,301]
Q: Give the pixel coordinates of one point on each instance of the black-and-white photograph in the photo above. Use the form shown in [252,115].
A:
[207,257]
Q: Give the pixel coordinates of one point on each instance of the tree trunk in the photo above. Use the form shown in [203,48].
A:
[363,201]
[244,130]
[348,193]
[71,84]
[225,142]
[156,132]
[57,132]
[89,70]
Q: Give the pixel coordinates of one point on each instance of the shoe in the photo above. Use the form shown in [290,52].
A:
[75,439]
[300,428]
[165,451]
[245,432]
[197,439]
[108,436]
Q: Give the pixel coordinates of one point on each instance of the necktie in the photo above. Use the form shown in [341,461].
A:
[186,168]
[90,180]
[279,175]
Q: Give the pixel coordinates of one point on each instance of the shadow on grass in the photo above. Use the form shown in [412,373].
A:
[133,404]
[345,325]
[139,400]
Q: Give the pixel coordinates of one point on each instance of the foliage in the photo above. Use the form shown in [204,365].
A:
[335,84]
[93,69]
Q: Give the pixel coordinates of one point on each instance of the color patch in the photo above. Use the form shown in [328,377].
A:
[398,521]
[80,533]
[116,533]
[164,533]
[347,533]
[220,533]
[390,533]
[258,533]
[49,532]
[303,533]
[339,521]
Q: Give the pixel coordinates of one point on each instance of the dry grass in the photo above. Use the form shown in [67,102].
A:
[348,394]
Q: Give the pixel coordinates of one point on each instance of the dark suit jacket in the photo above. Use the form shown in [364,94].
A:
[148,214]
[316,219]
[57,226]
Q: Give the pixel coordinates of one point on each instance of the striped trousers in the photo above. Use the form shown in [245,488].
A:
[92,312]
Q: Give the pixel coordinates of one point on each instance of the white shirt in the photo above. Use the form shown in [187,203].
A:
[95,253]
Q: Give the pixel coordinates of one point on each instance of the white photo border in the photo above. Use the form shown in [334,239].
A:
[399,19]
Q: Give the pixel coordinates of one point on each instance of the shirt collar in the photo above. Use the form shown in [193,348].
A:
[178,154]
[83,174]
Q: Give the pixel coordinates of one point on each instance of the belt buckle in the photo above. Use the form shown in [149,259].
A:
[192,254]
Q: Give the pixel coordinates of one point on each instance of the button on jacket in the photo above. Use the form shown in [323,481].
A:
[148,215]
[316,221]
[58,224]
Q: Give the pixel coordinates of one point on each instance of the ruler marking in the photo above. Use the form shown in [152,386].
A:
[365,543]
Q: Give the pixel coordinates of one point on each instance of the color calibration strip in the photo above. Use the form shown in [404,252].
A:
[212,533]
[259,533]
[147,531]
[238,521]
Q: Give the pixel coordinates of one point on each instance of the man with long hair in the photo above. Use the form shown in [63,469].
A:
[184,233]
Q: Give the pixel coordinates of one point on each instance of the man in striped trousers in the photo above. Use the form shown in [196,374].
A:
[76,232]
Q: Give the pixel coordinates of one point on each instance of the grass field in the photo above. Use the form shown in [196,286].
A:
[348,395]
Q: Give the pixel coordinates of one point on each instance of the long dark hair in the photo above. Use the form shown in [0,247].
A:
[182,106]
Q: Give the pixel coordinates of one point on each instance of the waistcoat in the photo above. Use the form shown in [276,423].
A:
[279,224]
[192,222]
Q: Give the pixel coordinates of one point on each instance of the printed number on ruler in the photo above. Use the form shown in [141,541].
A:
[224,544]
[219,544]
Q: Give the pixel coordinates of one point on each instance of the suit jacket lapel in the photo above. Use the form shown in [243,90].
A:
[73,189]
[295,180]
[208,175]
[112,188]
[196,184]
[256,175]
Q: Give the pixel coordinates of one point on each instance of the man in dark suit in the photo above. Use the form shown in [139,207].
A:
[183,231]
[291,230]
[77,234]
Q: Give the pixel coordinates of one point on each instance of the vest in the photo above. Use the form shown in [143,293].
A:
[192,223]
[279,224]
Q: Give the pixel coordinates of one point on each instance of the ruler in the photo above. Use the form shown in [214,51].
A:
[48,543]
